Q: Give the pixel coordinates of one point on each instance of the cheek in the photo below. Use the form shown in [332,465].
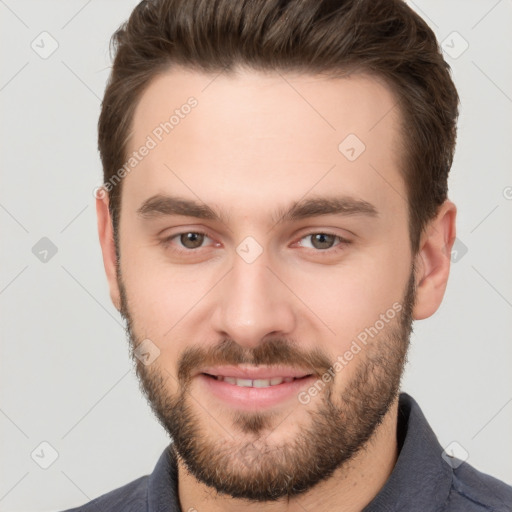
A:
[342,300]
[159,293]
[166,304]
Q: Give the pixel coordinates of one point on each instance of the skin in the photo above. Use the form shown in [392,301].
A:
[256,143]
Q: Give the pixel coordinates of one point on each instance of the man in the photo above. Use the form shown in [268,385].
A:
[274,217]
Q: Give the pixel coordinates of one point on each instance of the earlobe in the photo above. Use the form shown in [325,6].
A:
[106,236]
[433,261]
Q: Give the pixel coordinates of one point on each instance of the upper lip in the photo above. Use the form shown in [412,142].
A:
[252,373]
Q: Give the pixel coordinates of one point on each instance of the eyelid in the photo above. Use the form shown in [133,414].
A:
[344,233]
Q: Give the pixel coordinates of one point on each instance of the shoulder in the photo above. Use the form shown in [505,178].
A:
[131,497]
[474,491]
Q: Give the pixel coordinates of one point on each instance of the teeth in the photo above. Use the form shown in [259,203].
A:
[245,383]
[256,383]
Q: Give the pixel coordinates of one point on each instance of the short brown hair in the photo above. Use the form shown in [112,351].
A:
[385,38]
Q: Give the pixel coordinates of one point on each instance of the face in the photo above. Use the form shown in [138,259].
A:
[265,267]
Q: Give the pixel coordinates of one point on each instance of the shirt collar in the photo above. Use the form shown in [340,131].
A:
[420,475]
[163,484]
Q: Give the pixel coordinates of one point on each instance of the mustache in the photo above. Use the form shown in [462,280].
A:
[271,352]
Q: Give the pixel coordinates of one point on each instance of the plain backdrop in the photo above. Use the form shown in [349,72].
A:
[66,377]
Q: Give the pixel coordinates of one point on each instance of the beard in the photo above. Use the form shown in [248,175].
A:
[250,467]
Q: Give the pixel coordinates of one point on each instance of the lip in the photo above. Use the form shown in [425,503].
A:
[252,398]
[252,373]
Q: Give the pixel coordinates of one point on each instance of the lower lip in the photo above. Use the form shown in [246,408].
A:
[250,398]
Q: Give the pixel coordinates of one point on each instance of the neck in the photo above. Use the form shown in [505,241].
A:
[349,489]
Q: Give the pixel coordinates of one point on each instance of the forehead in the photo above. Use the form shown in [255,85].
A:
[258,136]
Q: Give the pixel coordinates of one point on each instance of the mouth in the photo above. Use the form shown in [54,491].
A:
[255,383]
[252,388]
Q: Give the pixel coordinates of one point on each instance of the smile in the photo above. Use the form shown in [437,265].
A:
[255,383]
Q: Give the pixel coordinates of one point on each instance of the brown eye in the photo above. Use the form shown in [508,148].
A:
[192,240]
[322,240]
[187,242]
[324,244]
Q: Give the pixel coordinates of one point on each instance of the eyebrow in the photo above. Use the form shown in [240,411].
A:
[165,205]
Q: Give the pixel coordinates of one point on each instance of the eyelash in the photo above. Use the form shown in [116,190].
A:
[343,242]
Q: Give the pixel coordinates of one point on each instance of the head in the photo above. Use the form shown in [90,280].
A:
[276,196]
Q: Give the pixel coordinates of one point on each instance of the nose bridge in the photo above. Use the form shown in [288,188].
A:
[253,303]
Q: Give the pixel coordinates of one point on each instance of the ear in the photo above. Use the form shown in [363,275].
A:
[433,261]
[106,235]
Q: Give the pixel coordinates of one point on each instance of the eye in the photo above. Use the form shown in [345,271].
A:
[192,240]
[323,241]
[186,241]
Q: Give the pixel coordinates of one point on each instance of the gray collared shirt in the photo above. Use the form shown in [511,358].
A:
[421,481]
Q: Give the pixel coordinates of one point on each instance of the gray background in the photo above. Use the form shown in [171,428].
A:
[66,376]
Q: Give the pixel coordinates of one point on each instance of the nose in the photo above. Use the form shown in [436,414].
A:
[253,303]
